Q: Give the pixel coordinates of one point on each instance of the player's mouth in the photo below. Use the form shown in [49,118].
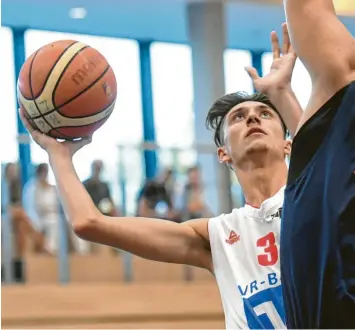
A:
[255,131]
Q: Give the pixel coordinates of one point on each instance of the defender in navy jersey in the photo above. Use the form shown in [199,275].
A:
[318,229]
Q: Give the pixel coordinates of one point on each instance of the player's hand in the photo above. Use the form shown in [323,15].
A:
[282,67]
[51,145]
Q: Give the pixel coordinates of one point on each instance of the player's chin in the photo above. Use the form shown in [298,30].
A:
[257,145]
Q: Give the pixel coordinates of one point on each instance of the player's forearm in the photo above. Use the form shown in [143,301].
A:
[77,203]
[288,106]
[153,239]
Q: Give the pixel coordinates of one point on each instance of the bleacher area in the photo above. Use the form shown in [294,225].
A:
[97,297]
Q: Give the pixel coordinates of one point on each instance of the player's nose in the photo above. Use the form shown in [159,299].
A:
[252,119]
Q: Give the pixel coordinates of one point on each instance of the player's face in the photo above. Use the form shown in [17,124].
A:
[250,129]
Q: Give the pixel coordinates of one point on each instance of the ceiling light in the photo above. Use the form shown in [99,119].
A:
[78,13]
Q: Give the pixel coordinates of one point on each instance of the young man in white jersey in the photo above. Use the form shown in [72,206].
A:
[240,248]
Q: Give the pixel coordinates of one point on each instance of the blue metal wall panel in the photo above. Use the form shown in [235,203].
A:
[150,157]
[24,148]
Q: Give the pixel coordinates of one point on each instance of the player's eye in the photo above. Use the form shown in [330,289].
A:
[239,117]
[265,114]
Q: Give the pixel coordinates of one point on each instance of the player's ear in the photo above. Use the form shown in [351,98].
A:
[288,147]
[223,156]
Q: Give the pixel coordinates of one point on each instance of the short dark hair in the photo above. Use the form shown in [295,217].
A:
[223,105]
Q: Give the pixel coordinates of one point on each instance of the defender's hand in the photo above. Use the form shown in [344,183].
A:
[282,67]
[51,145]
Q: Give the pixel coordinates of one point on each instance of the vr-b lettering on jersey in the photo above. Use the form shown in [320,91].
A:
[271,279]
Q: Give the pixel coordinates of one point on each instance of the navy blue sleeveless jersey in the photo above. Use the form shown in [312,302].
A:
[318,226]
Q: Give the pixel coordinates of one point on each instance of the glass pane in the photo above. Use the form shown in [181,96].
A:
[124,125]
[173,102]
[236,78]
[8,119]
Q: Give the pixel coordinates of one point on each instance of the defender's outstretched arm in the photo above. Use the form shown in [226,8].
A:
[324,45]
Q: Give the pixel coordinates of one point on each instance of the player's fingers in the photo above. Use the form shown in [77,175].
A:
[275,45]
[286,44]
[81,143]
[252,72]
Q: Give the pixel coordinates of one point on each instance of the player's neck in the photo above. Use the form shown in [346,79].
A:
[261,182]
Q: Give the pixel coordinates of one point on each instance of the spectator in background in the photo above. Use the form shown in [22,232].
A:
[21,223]
[194,205]
[155,198]
[99,190]
[167,178]
[42,204]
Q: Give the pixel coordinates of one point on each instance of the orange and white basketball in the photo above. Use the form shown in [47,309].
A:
[67,89]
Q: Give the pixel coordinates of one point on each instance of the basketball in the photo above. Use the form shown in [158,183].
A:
[67,89]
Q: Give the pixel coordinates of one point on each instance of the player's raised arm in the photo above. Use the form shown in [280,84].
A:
[323,44]
[276,85]
[153,239]
[320,40]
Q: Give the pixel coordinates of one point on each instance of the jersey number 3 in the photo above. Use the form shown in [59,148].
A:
[271,254]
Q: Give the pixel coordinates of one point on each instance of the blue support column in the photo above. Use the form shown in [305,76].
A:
[256,58]
[24,147]
[150,156]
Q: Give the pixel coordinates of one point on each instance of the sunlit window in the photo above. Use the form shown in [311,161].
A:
[125,124]
[8,121]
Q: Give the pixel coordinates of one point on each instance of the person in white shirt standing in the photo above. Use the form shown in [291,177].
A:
[240,248]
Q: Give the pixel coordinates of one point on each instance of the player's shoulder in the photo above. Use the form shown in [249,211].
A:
[313,132]
[227,219]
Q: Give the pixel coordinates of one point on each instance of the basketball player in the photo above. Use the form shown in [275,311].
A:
[318,233]
[240,248]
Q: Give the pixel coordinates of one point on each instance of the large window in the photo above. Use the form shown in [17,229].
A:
[301,81]
[8,119]
[173,94]
[125,124]
[236,78]
[173,102]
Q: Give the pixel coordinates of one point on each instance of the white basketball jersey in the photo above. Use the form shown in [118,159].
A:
[246,262]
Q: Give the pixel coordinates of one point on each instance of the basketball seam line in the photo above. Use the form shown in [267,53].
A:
[52,68]
[80,117]
[34,100]
[57,108]
[63,72]
[85,124]
[83,91]
[87,117]
[75,138]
